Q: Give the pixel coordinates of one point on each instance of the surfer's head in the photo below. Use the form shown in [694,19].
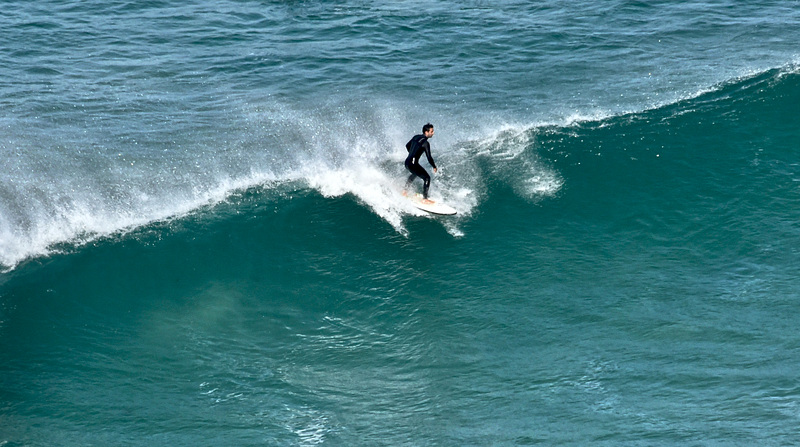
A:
[427,130]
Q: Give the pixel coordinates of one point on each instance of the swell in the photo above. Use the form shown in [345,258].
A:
[690,156]
[710,180]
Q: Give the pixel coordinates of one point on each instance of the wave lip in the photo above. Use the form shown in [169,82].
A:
[43,228]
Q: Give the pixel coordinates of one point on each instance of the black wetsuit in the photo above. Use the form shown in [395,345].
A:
[416,147]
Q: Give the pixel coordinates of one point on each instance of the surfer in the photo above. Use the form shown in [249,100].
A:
[416,146]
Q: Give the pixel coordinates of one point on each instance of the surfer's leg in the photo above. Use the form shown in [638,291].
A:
[410,167]
[418,171]
[427,179]
[410,180]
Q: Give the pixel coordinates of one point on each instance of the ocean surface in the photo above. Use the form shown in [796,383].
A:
[203,240]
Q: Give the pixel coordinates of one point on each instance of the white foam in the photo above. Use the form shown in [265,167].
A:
[377,178]
[337,154]
[336,149]
[87,216]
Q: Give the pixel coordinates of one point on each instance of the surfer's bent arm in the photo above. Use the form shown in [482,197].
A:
[428,155]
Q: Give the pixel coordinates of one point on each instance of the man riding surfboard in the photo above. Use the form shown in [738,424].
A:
[417,146]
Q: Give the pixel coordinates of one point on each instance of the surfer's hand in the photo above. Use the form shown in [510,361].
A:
[435,169]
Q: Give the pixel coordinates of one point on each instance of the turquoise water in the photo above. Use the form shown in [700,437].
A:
[202,239]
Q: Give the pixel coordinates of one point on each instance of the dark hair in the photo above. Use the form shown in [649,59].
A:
[427,127]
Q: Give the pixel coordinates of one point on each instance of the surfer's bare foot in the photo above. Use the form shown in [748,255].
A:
[428,202]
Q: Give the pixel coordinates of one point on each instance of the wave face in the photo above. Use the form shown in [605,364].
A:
[202,236]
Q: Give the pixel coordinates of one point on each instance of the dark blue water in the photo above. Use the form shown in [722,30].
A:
[203,241]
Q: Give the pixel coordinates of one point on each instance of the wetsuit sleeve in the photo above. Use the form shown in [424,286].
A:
[428,154]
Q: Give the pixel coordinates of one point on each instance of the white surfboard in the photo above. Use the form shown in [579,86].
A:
[430,206]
